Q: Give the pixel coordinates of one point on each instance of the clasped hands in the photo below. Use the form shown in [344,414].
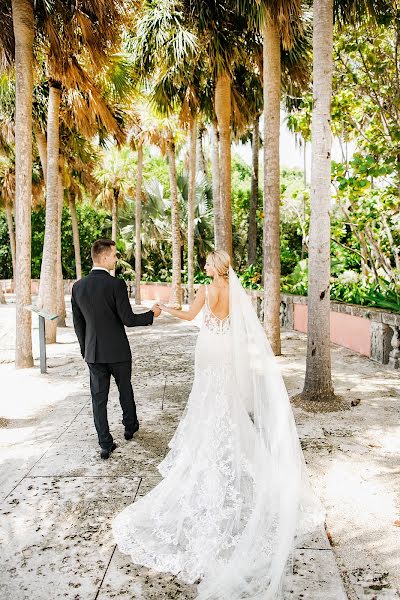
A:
[157,308]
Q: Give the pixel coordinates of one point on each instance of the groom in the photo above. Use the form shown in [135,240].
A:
[100,309]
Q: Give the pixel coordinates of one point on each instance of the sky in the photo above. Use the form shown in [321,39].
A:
[291,154]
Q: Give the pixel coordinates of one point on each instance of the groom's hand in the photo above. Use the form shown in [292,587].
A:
[156,310]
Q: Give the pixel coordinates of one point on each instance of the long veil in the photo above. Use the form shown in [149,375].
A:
[283,507]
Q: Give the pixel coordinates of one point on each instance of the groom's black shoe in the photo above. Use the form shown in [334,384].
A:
[128,435]
[106,452]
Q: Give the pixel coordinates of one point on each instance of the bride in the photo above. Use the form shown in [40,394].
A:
[235,499]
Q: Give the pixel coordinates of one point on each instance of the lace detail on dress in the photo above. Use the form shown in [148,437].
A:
[196,515]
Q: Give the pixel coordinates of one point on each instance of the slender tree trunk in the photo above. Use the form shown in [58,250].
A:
[216,185]
[138,224]
[48,274]
[11,233]
[272,261]
[2,297]
[252,240]
[42,148]
[23,23]
[200,159]
[42,145]
[318,382]
[191,206]
[176,296]
[114,216]
[75,235]
[114,221]
[61,311]
[223,114]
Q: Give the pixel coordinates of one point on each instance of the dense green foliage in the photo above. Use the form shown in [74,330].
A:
[347,281]
[93,223]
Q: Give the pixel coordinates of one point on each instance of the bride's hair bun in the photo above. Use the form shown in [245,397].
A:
[220,260]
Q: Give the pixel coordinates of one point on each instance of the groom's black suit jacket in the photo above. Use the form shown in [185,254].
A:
[100,309]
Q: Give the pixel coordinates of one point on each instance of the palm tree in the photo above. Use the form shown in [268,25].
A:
[68,36]
[136,137]
[222,35]
[223,115]
[272,261]
[247,93]
[138,223]
[115,176]
[284,37]
[252,234]
[176,295]
[61,311]
[80,158]
[48,275]
[216,184]
[75,233]
[203,215]
[155,220]
[318,387]
[23,25]
[191,205]
[165,133]
[318,380]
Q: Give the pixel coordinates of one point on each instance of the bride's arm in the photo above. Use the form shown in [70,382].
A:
[188,315]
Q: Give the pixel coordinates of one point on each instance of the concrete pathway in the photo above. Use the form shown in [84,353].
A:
[58,497]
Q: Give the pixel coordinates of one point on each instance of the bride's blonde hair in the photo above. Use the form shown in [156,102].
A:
[220,261]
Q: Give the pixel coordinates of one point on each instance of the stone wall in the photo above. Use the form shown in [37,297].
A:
[382,327]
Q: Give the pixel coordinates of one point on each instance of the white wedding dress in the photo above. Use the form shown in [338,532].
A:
[235,497]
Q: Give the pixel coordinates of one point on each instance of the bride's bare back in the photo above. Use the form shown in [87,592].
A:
[218,300]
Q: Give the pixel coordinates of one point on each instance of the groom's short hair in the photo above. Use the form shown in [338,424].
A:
[100,246]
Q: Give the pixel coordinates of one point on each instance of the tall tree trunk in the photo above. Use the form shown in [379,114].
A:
[42,148]
[318,382]
[176,296]
[223,114]
[114,216]
[48,273]
[2,297]
[200,159]
[252,240]
[23,24]
[11,233]
[75,235]
[271,261]
[216,190]
[114,221]
[138,224]
[191,206]
[61,311]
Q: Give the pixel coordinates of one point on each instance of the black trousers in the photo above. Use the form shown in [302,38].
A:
[100,376]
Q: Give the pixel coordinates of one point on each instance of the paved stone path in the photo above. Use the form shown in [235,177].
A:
[58,497]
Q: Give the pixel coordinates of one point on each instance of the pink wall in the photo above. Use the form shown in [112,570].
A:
[346,330]
[159,293]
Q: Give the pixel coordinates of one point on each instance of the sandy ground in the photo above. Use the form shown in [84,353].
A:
[353,458]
